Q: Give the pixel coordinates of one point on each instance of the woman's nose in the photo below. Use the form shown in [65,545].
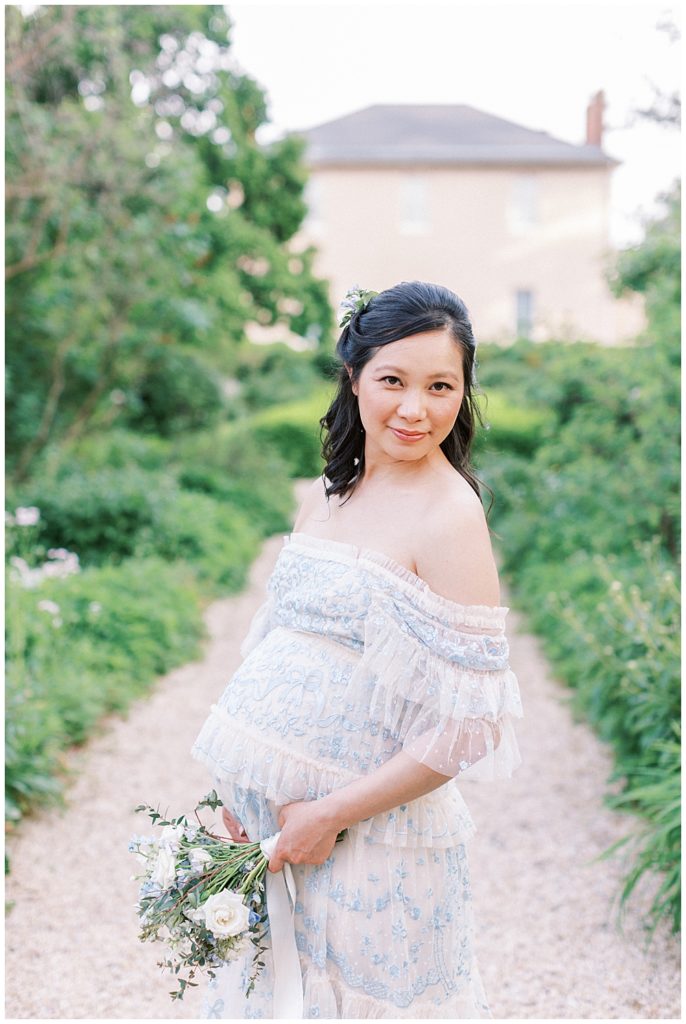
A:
[412,406]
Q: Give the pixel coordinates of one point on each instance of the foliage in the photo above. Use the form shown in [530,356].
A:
[175,393]
[273,375]
[80,647]
[216,538]
[655,794]
[142,217]
[237,469]
[509,427]
[113,449]
[293,431]
[100,514]
[114,514]
[590,526]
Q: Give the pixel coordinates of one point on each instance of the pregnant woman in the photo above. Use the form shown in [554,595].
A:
[375,677]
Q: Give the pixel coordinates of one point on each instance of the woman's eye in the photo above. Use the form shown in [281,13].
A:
[442,385]
[390,378]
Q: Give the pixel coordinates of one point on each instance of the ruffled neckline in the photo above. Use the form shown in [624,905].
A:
[488,616]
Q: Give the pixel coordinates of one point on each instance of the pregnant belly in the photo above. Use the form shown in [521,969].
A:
[291,676]
[292,694]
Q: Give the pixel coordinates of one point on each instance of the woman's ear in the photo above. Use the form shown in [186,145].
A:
[352,382]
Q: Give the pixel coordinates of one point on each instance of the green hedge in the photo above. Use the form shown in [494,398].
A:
[292,430]
[271,375]
[158,529]
[116,514]
[83,646]
[215,538]
[100,515]
[238,468]
[509,427]
[589,524]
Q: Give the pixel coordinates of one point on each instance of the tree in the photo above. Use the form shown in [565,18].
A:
[142,215]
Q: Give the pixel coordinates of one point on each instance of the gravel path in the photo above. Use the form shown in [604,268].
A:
[547,941]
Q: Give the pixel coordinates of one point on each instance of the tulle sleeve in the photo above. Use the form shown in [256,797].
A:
[444,689]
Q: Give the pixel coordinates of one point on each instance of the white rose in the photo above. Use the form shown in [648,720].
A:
[195,914]
[170,836]
[164,872]
[226,914]
[199,858]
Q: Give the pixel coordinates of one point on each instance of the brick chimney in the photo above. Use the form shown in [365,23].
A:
[594,119]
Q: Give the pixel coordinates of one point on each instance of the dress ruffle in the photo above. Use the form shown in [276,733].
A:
[449,695]
[478,616]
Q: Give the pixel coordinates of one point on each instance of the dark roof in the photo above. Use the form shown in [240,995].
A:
[438,134]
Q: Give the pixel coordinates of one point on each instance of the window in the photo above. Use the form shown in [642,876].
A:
[414,206]
[525,313]
[313,199]
[523,208]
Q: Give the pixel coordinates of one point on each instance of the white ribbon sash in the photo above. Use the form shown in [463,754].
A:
[288,985]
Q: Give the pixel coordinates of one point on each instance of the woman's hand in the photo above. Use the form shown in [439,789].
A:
[234,827]
[308,835]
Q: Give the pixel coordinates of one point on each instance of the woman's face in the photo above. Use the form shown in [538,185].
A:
[409,395]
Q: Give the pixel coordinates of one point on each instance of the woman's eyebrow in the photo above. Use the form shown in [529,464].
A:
[438,373]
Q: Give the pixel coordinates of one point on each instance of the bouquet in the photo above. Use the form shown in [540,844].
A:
[201,894]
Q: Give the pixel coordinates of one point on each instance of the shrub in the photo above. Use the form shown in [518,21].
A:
[99,515]
[237,469]
[509,427]
[273,375]
[590,526]
[655,794]
[293,431]
[84,646]
[214,537]
[176,392]
[114,514]
[113,449]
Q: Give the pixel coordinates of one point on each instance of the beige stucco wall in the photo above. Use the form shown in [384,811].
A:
[472,242]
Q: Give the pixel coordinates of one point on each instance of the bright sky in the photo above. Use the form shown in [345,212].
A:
[536,64]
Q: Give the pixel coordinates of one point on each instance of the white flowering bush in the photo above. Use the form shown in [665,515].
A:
[202,895]
[30,564]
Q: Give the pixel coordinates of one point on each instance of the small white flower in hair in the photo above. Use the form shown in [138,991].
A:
[356,300]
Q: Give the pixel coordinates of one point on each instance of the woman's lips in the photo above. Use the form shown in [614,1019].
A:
[406,436]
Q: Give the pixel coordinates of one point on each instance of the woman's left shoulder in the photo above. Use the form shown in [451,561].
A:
[454,554]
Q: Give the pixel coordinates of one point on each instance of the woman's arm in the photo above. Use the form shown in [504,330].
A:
[309,827]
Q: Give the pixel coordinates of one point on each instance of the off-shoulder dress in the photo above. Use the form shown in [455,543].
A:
[351,659]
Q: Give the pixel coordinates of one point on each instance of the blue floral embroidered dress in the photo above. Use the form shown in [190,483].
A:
[351,659]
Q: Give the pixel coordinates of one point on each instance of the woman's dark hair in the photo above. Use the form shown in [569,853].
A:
[412,307]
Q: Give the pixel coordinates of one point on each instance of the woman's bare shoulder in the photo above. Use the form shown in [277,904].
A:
[454,554]
[313,502]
